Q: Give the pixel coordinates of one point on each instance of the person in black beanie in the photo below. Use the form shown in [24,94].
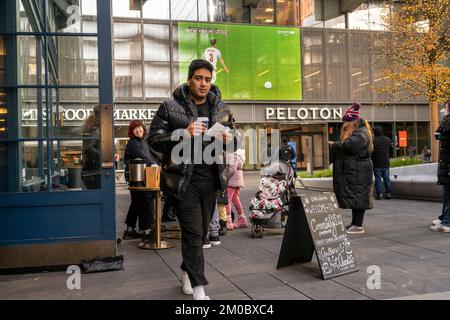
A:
[353,168]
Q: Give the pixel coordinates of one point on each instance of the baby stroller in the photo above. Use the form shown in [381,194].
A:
[268,207]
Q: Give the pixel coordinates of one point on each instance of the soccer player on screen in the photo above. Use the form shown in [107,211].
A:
[212,55]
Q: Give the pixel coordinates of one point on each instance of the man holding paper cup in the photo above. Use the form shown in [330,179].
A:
[191,179]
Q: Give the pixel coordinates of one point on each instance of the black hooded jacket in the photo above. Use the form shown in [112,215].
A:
[178,113]
[353,170]
[381,149]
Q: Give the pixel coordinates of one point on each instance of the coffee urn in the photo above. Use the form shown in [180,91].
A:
[137,172]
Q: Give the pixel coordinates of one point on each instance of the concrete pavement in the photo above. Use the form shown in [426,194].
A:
[414,263]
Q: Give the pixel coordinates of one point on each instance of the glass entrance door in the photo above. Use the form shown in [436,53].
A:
[56,130]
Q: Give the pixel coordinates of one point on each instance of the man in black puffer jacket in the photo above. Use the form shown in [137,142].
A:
[442,224]
[192,184]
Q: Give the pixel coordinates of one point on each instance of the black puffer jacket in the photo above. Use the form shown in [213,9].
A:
[353,171]
[444,151]
[178,113]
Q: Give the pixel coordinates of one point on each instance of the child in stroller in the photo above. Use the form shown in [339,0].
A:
[268,206]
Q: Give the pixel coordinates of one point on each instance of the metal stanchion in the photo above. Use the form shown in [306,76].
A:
[158,244]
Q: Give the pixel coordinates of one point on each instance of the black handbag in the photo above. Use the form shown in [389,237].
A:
[102,264]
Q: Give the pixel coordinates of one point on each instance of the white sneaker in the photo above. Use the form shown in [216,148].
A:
[440,228]
[354,230]
[203,298]
[436,222]
[187,288]
[206,245]
[214,240]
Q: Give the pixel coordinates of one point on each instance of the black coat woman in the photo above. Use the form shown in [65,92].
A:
[142,202]
[353,168]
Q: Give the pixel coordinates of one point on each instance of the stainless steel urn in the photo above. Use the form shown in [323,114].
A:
[137,172]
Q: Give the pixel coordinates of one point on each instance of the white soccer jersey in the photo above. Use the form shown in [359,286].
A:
[212,55]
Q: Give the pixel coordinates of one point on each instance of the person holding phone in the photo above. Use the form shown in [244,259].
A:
[193,185]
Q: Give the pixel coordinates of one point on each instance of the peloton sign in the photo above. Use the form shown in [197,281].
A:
[303,113]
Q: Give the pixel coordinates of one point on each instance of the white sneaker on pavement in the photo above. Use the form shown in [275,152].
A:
[354,230]
[187,288]
[436,222]
[203,298]
[440,228]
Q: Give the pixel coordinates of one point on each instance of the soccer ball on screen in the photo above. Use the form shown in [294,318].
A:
[268,85]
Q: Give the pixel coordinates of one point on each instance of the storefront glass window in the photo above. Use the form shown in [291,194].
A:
[285,13]
[127,79]
[127,60]
[337,66]
[29,66]
[308,14]
[360,64]
[23,23]
[127,41]
[313,86]
[156,61]
[379,65]
[78,16]
[80,53]
[31,111]
[157,79]
[236,12]
[156,42]
[359,18]
[336,23]
[43,151]
[211,10]
[377,14]
[423,136]
[264,13]
[411,149]
[130,8]
[184,10]
[158,9]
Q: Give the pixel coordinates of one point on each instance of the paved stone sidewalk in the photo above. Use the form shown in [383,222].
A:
[414,263]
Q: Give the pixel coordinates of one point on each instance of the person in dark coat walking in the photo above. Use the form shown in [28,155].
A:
[90,173]
[193,183]
[380,159]
[353,168]
[142,202]
[442,224]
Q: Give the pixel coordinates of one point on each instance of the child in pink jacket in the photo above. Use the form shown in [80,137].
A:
[236,162]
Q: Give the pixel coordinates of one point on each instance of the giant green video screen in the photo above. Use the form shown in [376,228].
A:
[263,62]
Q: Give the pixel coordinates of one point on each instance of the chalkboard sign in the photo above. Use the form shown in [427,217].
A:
[315,225]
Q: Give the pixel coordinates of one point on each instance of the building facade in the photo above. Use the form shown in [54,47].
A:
[55,208]
[293,65]
[336,67]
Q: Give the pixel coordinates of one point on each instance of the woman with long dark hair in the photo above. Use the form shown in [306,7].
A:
[353,168]
[142,202]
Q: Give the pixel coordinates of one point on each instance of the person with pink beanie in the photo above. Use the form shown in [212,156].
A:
[235,162]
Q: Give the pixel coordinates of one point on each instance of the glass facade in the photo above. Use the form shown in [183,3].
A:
[336,65]
[44,77]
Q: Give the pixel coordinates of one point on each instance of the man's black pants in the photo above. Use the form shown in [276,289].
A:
[194,215]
